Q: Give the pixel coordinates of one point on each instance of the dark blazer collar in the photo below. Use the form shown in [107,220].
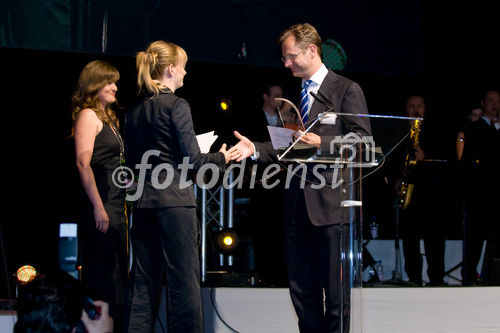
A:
[166,91]
[328,87]
[161,92]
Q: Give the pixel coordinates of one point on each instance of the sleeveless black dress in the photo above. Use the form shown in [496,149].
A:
[104,255]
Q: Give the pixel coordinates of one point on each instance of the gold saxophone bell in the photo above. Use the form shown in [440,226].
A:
[405,194]
[406,189]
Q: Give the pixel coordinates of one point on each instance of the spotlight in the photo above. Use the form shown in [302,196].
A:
[25,274]
[227,241]
[225,104]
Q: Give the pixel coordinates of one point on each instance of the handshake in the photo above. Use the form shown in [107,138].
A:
[245,148]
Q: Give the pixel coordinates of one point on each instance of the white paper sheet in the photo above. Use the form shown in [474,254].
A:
[206,140]
[280,137]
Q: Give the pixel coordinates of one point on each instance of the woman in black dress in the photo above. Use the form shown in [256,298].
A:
[99,152]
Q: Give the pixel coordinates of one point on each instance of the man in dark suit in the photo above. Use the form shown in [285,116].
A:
[268,115]
[267,229]
[421,214]
[480,164]
[313,219]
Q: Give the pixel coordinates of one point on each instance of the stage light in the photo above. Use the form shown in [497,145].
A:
[25,274]
[227,241]
[225,104]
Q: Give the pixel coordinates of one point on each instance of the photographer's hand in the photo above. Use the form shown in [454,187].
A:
[102,324]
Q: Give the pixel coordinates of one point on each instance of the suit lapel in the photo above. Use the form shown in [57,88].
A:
[328,88]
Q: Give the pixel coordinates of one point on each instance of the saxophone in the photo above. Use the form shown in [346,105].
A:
[406,188]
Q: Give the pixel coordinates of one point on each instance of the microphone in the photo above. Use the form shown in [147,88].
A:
[324,96]
[322,99]
[330,105]
[319,98]
[327,117]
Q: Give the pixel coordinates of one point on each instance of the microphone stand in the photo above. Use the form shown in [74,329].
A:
[324,100]
[397,277]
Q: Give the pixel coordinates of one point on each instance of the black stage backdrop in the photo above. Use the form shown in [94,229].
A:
[379,37]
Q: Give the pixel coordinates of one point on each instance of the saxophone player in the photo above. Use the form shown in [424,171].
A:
[420,213]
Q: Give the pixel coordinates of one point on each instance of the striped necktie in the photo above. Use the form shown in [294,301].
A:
[304,101]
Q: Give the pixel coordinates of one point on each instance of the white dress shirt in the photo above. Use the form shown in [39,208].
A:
[316,81]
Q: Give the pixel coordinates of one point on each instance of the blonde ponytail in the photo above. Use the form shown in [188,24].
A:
[151,64]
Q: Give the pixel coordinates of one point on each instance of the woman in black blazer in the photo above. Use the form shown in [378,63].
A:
[159,132]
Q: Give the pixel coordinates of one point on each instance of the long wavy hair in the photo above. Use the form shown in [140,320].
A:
[94,76]
[151,64]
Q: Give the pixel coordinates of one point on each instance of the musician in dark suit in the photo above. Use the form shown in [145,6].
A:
[159,131]
[313,226]
[480,164]
[422,215]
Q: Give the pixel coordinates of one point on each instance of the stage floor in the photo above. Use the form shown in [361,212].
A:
[387,310]
[375,310]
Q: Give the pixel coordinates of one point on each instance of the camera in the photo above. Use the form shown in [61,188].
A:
[94,312]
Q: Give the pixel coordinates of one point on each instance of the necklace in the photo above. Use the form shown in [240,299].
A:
[123,174]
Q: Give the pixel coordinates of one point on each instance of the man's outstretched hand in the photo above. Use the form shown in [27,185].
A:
[243,149]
